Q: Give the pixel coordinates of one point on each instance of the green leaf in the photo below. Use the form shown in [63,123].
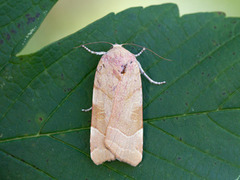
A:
[191,124]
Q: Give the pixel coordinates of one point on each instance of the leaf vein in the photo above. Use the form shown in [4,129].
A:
[190,69]
[27,163]
[196,148]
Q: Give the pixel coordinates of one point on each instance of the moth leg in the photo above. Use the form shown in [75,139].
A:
[94,52]
[86,110]
[138,54]
[149,79]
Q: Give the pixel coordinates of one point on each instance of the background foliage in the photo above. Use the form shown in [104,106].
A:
[67,17]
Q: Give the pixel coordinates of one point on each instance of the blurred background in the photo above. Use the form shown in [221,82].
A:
[69,16]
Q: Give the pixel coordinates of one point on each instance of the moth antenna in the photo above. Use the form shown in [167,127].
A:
[94,43]
[148,50]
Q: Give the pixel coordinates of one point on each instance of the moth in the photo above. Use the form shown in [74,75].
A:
[117,113]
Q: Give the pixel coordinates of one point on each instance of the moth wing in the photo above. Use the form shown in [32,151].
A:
[103,96]
[124,135]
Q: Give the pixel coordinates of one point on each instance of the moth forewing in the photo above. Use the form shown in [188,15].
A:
[117,115]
